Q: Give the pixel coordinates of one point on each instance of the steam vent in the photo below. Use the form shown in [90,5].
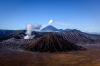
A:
[52,43]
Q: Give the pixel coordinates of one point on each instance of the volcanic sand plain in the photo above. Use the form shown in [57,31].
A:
[89,57]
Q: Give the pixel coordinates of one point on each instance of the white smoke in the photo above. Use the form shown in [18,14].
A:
[30,28]
[36,26]
[51,21]
[27,37]
[59,23]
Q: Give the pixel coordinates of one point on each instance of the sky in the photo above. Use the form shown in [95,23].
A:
[83,15]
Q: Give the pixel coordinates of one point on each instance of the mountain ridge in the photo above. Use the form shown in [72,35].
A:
[73,35]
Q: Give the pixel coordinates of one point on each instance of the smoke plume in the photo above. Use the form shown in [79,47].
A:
[30,28]
[51,21]
[59,23]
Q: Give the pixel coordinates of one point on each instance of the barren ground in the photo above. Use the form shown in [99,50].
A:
[89,57]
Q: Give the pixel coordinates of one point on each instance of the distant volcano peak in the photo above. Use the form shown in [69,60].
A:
[49,28]
[49,25]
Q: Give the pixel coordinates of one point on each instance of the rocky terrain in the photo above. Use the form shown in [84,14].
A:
[89,57]
[73,36]
[14,45]
[78,37]
[52,43]
[16,51]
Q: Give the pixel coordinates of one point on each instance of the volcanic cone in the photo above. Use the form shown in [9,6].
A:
[52,43]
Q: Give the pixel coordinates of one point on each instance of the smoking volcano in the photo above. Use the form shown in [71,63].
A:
[49,28]
[52,43]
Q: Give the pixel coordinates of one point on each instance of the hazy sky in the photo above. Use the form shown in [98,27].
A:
[83,15]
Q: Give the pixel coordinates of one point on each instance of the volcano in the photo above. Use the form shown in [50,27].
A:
[49,28]
[52,43]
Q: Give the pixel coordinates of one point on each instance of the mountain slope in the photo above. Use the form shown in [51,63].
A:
[52,43]
[15,33]
[77,37]
[74,36]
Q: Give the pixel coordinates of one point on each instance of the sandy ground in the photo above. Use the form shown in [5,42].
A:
[89,57]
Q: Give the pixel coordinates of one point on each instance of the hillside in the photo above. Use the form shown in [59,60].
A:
[52,43]
[78,37]
[16,33]
[73,36]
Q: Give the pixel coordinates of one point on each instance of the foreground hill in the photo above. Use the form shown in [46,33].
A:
[52,43]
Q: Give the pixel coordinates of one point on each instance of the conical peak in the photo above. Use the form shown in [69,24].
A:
[49,28]
[52,43]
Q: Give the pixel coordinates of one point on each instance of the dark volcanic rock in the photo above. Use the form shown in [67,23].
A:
[16,34]
[52,43]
